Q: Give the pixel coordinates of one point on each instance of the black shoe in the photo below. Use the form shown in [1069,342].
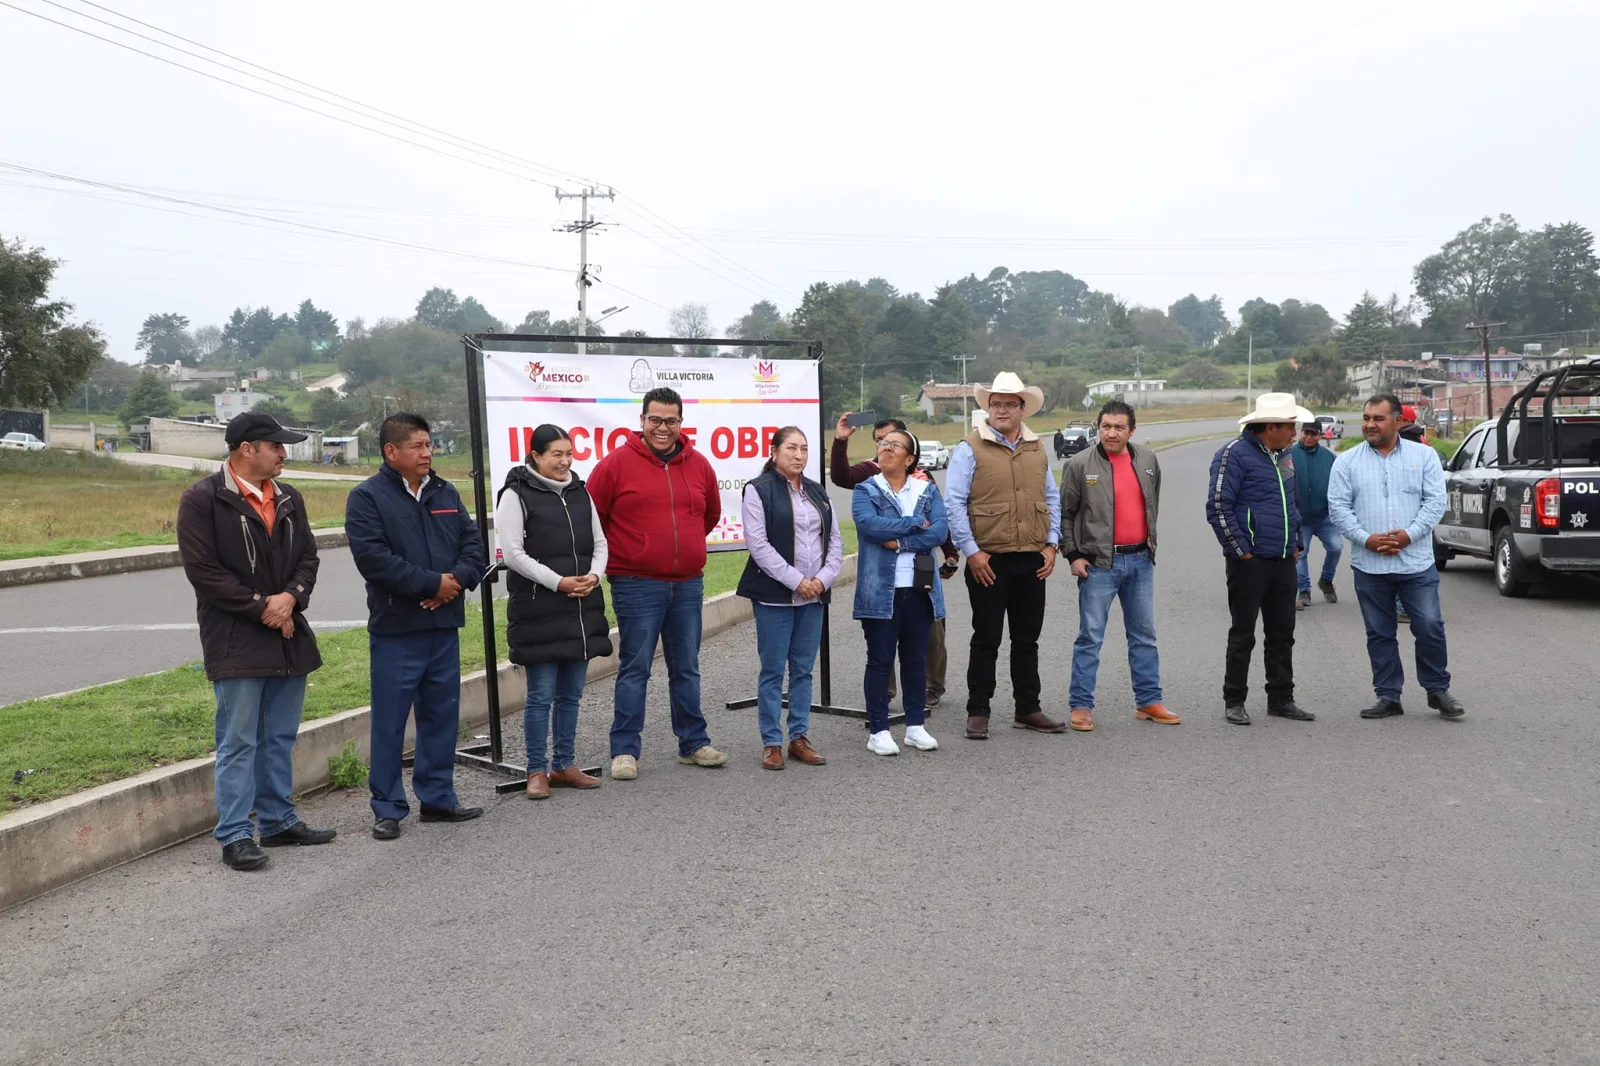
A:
[244,855]
[298,833]
[1383,709]
[1446,704]
[1328,593]
[1291,711]
[386,829]
[1237,714]
[457,813]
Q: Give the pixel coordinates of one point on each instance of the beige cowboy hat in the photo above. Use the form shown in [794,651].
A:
[1006,383]
[1277,407]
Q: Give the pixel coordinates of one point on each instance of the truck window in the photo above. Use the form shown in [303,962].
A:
[1490,455]
[1468,452]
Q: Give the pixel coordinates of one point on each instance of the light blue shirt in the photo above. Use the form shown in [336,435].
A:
[958,489]
[1369,492]
[905,563]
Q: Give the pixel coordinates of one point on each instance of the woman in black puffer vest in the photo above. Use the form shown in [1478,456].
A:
[555,553]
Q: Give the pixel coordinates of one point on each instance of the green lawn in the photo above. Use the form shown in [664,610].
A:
[69,743]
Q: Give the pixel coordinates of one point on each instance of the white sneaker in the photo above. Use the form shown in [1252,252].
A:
[881,743]
[918,737]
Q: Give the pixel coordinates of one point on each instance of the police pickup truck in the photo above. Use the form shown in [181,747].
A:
[1524,490]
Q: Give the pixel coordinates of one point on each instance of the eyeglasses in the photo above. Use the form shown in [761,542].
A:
[893,444]
[1005,405]
[656,423]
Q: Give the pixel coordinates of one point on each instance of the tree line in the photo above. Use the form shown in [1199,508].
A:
[1048,325]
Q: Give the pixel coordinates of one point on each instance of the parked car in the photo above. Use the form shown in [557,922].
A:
[1074,439]
[1524,490]
[22,442]
[933,456]
[1337,423]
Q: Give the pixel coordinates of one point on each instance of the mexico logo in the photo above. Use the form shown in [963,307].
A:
[560,377]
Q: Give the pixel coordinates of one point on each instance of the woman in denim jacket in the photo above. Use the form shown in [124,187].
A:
[898,518]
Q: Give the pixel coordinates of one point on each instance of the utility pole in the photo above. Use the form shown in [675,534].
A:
[1250,373]
[1482,330]
[582,228]
[966,393]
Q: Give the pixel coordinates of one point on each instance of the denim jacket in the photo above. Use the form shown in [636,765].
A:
[878,518]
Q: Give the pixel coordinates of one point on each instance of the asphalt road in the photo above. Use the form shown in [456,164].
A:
[1403,891]
[72,634]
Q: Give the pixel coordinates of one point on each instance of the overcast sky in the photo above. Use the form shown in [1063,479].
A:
[1150,148]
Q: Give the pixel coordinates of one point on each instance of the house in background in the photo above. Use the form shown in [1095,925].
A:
[1112,386]
[943,401]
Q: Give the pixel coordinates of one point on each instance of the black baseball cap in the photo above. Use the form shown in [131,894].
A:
[252,426]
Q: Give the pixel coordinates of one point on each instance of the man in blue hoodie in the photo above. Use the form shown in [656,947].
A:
[1312,464]
[419,549]
[1250,504]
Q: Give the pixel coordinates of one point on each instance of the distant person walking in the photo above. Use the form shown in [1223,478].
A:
[1386,494]
[1110,495]
[555,551]
[796,553]
[1251,507]
[418,548]
[899,520]
[1312,464]
[1005,517]
[249,552]
[846,476]
[658,501]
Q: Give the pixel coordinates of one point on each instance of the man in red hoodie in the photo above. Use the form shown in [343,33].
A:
[657,500]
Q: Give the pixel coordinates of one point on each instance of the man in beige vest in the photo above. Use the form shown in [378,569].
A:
[1004,510]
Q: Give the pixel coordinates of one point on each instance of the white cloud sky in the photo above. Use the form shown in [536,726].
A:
[1151,148]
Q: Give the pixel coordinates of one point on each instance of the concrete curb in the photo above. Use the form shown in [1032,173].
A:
[114,561]
[65,840]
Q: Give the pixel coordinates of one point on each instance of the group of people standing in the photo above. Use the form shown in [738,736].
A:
[639,524]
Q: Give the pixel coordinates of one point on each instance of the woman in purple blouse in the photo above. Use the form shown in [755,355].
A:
[796,551]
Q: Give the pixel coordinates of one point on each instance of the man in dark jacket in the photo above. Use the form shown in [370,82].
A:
[1312,464]
[658,500]
[248,551]
[414,541]
[1250,504]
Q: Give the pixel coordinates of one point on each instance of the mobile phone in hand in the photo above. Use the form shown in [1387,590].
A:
[861,418]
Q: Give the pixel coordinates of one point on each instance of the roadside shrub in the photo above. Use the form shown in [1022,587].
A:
[347,769]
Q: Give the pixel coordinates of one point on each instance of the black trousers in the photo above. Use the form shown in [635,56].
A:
[1017,596]
[1264,588]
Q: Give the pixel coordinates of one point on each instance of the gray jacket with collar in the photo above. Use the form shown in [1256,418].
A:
[1088,505]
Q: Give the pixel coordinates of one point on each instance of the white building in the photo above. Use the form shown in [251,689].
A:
[236,402]
[1111,386]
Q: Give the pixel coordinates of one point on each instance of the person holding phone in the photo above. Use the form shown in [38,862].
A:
[796,552]
[899,520]
[555,551]
[847,476]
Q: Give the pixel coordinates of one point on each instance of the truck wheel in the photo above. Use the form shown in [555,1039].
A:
[1507,564]
[1441,554]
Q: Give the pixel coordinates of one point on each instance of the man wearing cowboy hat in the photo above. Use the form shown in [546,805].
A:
[1250,503]
[1005,516]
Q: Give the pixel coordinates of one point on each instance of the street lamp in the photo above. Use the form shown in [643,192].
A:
[607,313]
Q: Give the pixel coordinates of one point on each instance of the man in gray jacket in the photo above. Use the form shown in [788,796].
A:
[1109,498]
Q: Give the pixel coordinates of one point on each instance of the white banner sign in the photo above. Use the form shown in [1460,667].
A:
[731,408]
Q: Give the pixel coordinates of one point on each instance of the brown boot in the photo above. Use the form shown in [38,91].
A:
[538,786]
[1040,722]
[800,750]
[977,727]
[1081,719]
[572,777]
[1156,712]
[772,757]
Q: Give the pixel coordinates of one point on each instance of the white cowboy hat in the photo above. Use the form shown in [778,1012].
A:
[1277,407]
[1006,383]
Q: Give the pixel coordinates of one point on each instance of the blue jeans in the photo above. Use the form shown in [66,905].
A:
[649,610]
[907,631]
[258,719]
[422,671]
[560,684]
[1132,577]
[1332,548]
[1419,594]
[786,637]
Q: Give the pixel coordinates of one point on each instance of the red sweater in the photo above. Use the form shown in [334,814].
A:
[656,514]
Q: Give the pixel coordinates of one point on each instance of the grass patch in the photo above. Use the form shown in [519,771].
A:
[56,746]
[60,502]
